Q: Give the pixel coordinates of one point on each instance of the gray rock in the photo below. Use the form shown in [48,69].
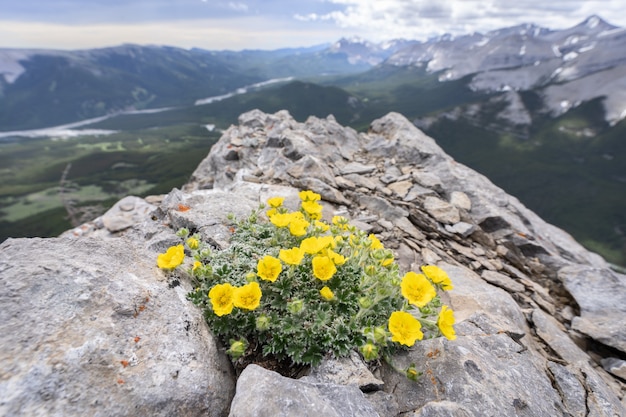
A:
[601,295]
[208,211]
[502,281]
[615,366]
[551,332]
[401,188]
[483,374]
[264,393]
[310,166]
[345,371]
[571,390]
[357,168]
[382,207]
[428,180]
[442,409]
[92,327]
[127,212]
[441,210]
[471,295]
[460,200]
[461,228]
[361,181]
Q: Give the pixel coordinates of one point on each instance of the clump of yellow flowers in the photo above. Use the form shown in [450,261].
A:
[296,287]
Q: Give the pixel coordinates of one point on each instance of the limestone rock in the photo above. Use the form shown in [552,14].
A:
[615,366]
[483,374]
[92,327]
[264,393]
[601,295]
[126,212]
[345,371]
[441,210]
[460,200]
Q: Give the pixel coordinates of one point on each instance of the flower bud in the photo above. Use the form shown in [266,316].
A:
[250,277]
[262,323]
[365,302]
[182,232]
[369,351]
[193,243]
[237,349]
[412,373]
[380,335]
[295,306]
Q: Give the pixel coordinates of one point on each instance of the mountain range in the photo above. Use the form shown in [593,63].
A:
[539,111]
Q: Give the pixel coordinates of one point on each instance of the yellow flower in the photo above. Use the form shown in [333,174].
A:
[313,245]
[281,219]
[173,257]
[193,243]
[297,226]
[404,328]
[375,243]
[323,268]
[327,293]
[438,276]
[335,257]
[247,297]
[417,289]
[321,225]
[313,209]
[275,202]
[309,196]
[387,261]
[196,265]
[222,298]
[291,256]
[339,220]
[268,268]
[446,323]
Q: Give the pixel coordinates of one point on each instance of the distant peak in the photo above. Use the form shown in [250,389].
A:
[595,22]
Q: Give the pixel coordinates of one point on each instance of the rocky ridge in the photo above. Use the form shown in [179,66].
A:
[539,319]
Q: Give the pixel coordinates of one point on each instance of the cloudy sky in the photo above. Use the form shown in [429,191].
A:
[271,24]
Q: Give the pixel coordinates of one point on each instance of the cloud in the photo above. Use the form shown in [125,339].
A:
[238,7]
[420,19]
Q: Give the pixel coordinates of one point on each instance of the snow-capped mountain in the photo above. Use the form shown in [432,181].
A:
[358,50]
[569,66]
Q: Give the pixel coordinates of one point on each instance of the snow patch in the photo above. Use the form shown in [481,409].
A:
[569,56]
[210,127]
[611,32]
[482,42]
[522,50]
[593,22]
[565,104]
[556,51]
[556,72]
[536,63]
[586,48]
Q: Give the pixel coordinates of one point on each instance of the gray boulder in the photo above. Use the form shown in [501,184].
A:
[91,327]
[263,393]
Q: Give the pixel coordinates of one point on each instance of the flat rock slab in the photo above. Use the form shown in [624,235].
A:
[601,295]
[264,393]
